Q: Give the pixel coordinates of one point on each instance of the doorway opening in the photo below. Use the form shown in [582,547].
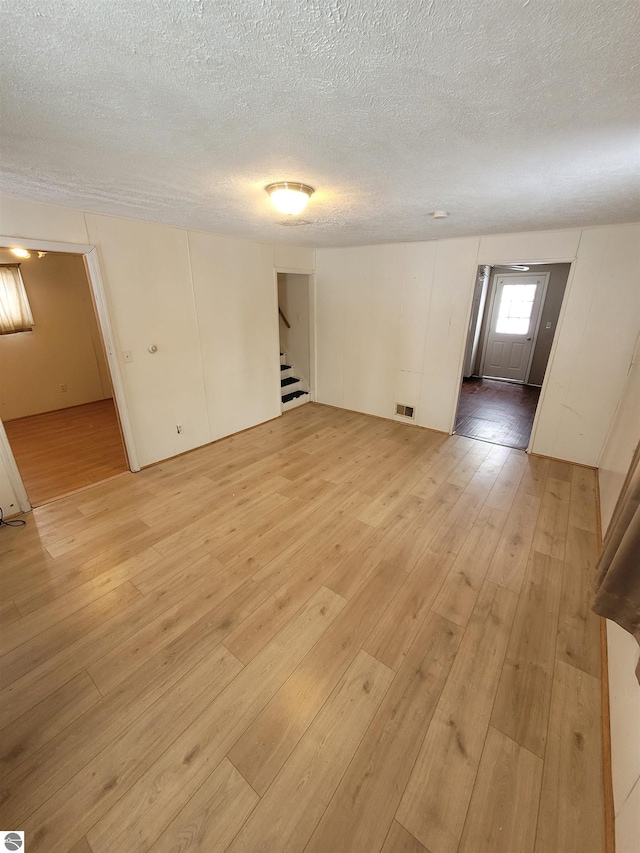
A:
[295,304]
[514,316]
[57,401]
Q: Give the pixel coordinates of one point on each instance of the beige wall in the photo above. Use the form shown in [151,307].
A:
[293,299]
[616,456]
[208,303]
[64,347]
[392,324]
[621,441]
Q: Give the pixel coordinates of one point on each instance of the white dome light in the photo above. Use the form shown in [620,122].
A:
[20,253]
[289,197]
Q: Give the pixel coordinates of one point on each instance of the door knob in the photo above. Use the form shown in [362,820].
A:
[528,339]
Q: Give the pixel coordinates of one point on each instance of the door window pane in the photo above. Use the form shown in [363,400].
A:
[514,313]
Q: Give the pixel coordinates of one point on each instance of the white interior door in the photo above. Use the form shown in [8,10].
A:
[514,315]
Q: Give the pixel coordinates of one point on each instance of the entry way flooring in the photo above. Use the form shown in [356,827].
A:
[500,412]
[61,451]
[330,633]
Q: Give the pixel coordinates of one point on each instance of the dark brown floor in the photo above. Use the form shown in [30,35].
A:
[500,412]
[59,452]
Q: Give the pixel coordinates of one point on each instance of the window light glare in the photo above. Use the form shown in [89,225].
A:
[20,253]
[289,197]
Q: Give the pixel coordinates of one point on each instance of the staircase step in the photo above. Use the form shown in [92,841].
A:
[293,395]
[285,367]
[290,380]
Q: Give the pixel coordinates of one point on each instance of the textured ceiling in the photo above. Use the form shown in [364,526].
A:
[511,114]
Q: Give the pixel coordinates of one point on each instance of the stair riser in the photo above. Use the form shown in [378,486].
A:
[298,385]
[297,401]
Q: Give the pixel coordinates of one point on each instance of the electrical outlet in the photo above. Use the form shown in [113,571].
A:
[63,388]
[179,429]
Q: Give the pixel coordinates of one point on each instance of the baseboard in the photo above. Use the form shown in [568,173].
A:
[61,409]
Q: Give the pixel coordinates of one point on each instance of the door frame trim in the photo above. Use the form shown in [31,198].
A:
[488,311]
[505,260]
[96,286]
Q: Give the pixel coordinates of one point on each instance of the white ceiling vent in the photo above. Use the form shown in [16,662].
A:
[405,411]
[291,222]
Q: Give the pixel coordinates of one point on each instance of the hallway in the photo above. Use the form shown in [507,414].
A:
[500,412]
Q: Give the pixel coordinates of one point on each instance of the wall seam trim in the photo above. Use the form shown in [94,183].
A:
[198,338]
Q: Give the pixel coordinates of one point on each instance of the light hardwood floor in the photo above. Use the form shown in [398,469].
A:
[330,633]
[59,452]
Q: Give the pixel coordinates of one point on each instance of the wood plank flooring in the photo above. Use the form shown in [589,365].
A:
[59,452]
[330,633]
[501,412]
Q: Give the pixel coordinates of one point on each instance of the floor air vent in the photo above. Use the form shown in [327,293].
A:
[405,411]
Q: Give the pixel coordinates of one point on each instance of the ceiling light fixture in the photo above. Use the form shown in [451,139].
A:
[20,253]
[289,197]
[439,214]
